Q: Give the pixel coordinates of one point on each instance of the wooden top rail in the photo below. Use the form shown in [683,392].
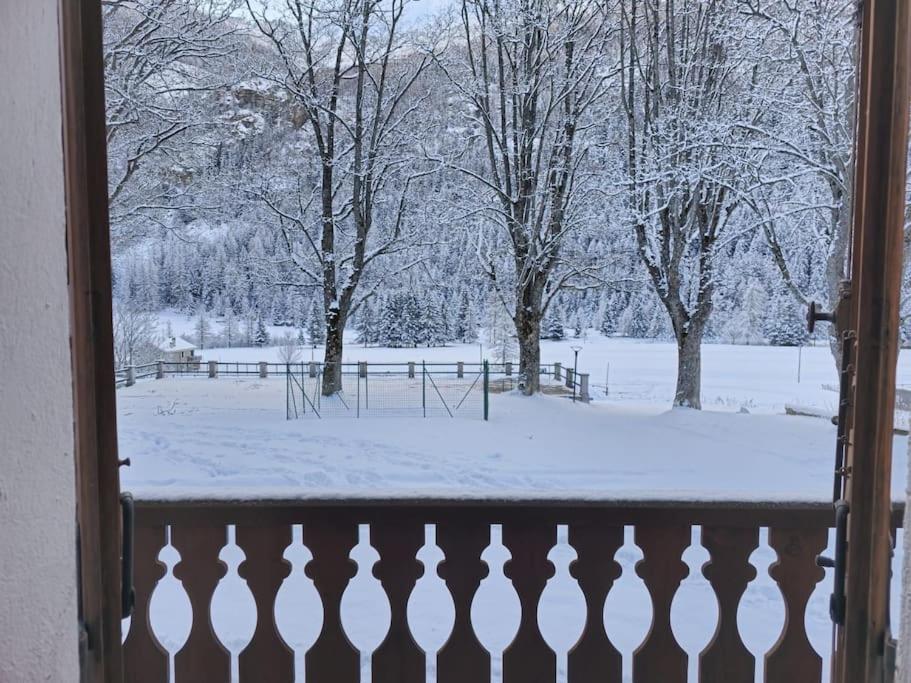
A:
[735,513]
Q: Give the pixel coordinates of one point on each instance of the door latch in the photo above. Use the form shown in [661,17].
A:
[127,591]
[815,314]
[842,471]
[837,599]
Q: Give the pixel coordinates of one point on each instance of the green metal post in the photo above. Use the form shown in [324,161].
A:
[424,386]
[486,390]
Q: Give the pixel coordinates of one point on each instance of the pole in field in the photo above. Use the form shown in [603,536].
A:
[486,390]
[576,350]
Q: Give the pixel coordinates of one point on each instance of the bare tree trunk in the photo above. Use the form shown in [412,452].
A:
[689,368]
[528,330]
[332,359]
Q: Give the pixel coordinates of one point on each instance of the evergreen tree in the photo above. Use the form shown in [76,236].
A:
[413,322]
[444,326]
[465,324]
[553,328]
[500,333]
[389,331]
[202,327]
[261,337]
[435,326]
[281,310]
[316,325]
[229,330]
[608,324]
[249,323]
[754,308]
[367,323]
[786,325]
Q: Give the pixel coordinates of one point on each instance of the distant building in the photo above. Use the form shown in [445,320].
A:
[178,350]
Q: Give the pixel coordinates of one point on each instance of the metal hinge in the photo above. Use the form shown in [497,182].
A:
[85,644]
[890,651]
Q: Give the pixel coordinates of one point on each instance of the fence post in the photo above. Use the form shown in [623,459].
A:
[159,370]
[557,371]
[411,369]
[508,369]
[362,368]
[131,375]
[263,370]
[424,387]
[460,369]
[303,391]
[583,388]
[570,380]
[213,369]
[312,369]
[486,390]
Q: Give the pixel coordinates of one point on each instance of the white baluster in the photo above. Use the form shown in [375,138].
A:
[233,607]
[169,608]
[431,613]
[496,611]
[365,608]
[561,612]
[628,608]
[298,608]
[762,612]
[694,612]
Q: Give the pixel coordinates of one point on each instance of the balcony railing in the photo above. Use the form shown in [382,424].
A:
[730,532]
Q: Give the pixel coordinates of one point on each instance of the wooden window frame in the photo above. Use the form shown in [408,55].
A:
[91,339]
[877,265]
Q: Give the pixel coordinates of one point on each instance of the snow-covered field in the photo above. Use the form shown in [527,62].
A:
[228,437]
[756,378]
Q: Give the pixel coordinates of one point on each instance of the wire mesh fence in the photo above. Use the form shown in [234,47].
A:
[320,390]
[415,389]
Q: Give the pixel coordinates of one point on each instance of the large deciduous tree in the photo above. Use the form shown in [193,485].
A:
[685,87]
[342,205]
[804,179]
[531,71]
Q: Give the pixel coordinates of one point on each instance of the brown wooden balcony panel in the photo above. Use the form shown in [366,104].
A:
[662,529]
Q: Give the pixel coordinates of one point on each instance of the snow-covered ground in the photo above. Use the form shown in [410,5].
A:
[228,437]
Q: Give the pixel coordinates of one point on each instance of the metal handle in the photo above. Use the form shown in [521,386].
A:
[127,594]
[837,599]
[815,314]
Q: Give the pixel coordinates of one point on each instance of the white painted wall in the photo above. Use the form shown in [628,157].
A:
[38,630]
